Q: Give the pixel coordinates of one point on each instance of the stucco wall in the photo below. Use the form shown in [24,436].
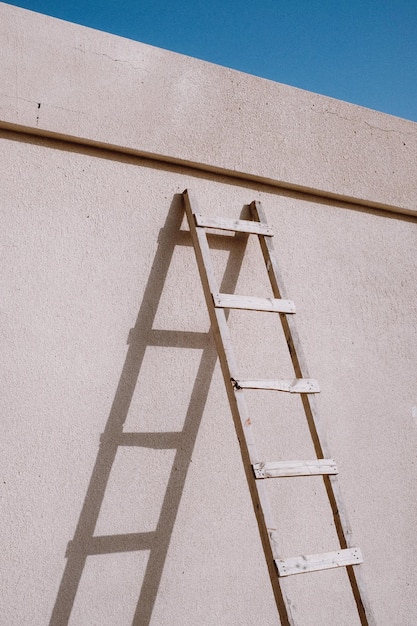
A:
[104,330]
[61,78]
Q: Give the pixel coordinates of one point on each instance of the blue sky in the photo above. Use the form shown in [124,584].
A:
[362,51]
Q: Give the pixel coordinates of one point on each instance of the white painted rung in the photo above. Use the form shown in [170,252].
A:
[241,226]
[315,562]
[231,301]
[282,469]
[296,385]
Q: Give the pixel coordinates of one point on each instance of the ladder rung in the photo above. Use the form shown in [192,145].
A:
[231,301]
[282,469]
[296,385]
[315,562]
[241,226]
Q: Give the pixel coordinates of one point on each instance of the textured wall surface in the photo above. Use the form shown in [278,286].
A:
[123,496]
[65,79]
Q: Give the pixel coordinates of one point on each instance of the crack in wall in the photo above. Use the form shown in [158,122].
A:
[357,120]
[107,56]
[39,104]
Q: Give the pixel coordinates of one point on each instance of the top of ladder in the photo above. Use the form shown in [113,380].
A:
[240,226]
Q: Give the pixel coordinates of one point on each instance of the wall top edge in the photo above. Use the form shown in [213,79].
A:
[13,131]
[71,81]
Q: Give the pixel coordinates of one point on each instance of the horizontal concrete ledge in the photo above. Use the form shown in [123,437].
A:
[202,167]
[76,84]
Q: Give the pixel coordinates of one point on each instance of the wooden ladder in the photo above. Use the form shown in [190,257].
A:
[257,471]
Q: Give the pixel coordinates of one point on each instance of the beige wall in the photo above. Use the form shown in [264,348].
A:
[94,245]
[72,81]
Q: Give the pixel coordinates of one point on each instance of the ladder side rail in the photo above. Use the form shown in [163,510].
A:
[241,418]
[317,429]
[220,327]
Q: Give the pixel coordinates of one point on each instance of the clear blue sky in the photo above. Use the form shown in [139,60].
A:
[362,51]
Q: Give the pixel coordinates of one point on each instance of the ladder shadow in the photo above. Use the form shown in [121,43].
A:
[143,335]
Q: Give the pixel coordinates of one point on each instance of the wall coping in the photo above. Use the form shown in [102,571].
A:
[73,83]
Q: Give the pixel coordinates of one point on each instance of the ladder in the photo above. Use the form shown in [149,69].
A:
[257,471]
